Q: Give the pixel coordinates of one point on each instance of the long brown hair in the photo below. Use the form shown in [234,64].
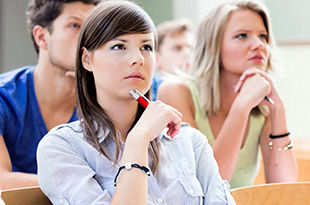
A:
[107,21]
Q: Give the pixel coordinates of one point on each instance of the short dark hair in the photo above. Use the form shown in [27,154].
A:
[173,27]
[44,12]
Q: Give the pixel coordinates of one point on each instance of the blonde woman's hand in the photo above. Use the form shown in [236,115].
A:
[252,88]
[273,93]
[156,117]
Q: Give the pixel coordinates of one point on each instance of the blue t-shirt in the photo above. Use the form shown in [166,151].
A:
[21,123]
[155,84]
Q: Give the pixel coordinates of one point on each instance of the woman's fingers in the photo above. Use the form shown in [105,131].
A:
[157,117]
[174,127]
[248,73]
[174,118]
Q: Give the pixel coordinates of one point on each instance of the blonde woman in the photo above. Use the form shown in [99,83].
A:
[227,93]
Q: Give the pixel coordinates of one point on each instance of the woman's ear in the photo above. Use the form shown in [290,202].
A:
[40,36]
[86,59]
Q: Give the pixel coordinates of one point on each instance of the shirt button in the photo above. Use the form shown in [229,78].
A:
[191,191]
[159,200]
[61,201]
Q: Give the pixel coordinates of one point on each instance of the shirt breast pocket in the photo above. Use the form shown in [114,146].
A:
[192,189]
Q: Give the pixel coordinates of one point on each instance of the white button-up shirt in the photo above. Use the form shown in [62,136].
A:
[72,171]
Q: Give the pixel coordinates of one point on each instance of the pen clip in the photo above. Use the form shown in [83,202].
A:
[136,94]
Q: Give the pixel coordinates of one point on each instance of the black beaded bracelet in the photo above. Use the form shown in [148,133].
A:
[279,136]
[129,166]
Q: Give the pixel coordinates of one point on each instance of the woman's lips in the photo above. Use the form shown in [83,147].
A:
[135,75]
[257,58]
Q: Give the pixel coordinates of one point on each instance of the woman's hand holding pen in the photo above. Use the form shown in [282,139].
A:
[156,117]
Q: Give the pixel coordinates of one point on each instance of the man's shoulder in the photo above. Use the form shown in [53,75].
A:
[15,82]
[16,75]
[15,86]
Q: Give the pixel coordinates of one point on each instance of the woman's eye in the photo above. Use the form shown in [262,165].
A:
[75,25]
[118,47]
[264,36]
[241,36]
[147,48]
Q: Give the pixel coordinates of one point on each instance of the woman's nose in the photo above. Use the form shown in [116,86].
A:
[137,59]
[258,44]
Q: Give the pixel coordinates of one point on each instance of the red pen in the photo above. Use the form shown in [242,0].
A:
[142,100]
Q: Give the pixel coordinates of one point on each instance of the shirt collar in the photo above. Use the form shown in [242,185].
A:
[102,134]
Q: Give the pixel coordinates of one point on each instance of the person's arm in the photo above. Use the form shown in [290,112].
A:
[231,136]
[132,185]
[178,95]
[280,166]
[229,140]
[9,179]
[226,149]
[131,182]
[65,174]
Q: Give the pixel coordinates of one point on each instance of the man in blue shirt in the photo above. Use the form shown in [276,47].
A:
[34,99]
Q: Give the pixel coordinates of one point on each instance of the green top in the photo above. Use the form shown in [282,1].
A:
[248,161]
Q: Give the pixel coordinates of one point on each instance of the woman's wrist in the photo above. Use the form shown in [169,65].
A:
[138,136]
[138,144]
[278,102]
[136,149]
[241,105]
[278,119]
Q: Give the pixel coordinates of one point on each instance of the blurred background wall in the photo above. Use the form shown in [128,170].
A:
[289,21]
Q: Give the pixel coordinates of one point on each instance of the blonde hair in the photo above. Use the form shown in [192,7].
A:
[207,53]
